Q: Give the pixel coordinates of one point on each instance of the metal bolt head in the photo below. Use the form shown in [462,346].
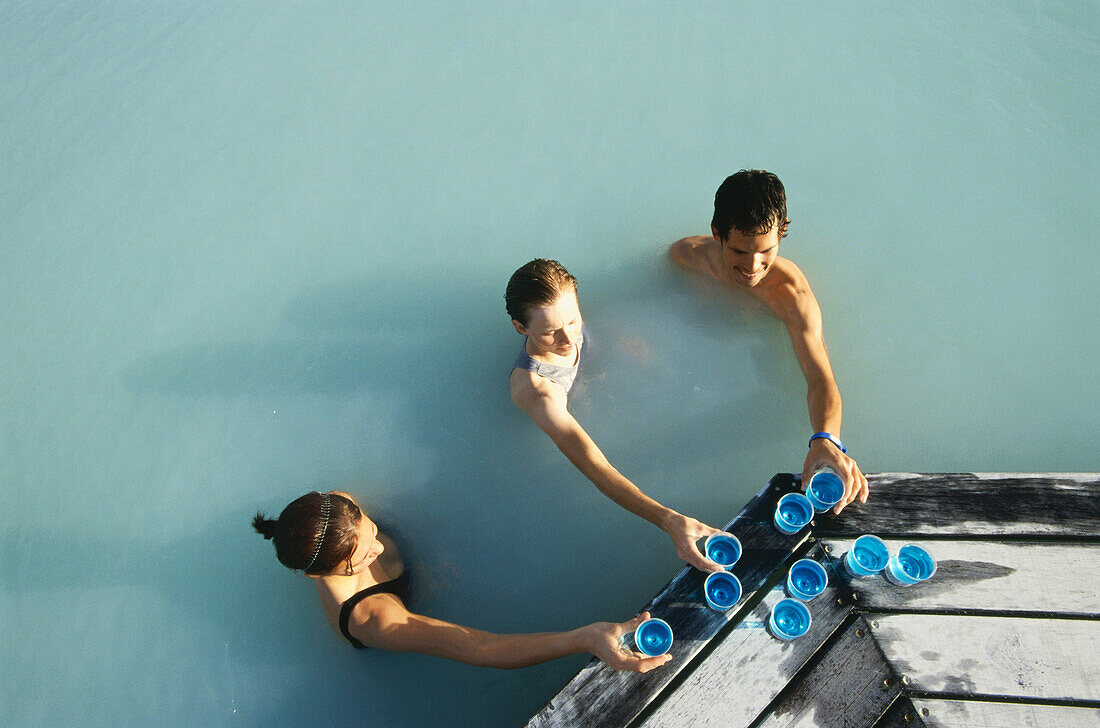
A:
[908,717]
[859,633]
[924,712]
[906,679]
[886,682]
[874,624]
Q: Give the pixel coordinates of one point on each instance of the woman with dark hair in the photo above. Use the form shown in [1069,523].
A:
[361,581]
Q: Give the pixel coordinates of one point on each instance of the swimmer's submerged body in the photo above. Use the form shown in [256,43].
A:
[361,580]
[542,300]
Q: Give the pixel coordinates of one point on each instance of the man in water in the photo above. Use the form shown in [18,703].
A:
[750,218]
[541,298]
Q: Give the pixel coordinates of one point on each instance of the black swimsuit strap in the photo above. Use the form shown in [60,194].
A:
[396,587]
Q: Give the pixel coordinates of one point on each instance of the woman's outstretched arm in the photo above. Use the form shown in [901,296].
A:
[390,626]
[546,405]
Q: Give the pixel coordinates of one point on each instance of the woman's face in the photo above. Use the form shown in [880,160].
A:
[368,547]
[554,329]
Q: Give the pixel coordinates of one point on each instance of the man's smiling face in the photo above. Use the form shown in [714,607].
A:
[749,256]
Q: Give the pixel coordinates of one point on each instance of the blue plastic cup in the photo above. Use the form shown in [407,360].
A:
[653,637]
[867,557]
[806,579]
[723,548]
[910,565]
[793,512]
[721,590]
[825,489]
[790,619]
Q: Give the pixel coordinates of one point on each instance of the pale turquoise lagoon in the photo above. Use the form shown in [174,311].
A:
[252,249]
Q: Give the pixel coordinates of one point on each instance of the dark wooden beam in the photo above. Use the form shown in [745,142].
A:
[902,714]
[1062,505]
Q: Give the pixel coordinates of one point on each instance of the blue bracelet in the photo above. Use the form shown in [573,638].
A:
[826,436]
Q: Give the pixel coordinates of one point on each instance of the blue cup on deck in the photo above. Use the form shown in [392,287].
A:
[793,512]
[721,590]
[825,489]
[806,579]
[790,619]
[867,557]
[723,549]
[653,637]
[910,565]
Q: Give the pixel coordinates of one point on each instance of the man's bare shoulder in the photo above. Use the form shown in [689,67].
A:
[699,252]
[788,292]
[788,275]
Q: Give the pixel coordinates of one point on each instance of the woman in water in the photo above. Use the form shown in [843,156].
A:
[361,581]
[541,298]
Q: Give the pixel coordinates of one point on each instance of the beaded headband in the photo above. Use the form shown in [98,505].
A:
[325,512]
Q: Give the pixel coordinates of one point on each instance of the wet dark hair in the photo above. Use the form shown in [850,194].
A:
[538,283]
[752,201]
[300,532]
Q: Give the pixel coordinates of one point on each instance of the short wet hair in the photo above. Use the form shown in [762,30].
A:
[535,284]
[752,201]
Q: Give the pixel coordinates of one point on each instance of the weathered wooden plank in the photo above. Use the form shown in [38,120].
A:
[599,697]
[980,714]
[851,686]
[1005,504]
[901,714]
[749,667]
[984,656]
[989,576]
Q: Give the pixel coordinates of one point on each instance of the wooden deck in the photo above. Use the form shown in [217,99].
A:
[1007,632]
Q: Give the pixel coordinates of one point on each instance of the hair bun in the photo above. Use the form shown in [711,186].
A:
[264,526]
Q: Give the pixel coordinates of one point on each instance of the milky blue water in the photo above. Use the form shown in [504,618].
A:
[251,250]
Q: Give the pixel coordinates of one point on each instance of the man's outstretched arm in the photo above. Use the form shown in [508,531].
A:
[802,315]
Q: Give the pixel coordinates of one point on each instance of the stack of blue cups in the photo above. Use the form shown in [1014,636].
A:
[722,590]
[790,617]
